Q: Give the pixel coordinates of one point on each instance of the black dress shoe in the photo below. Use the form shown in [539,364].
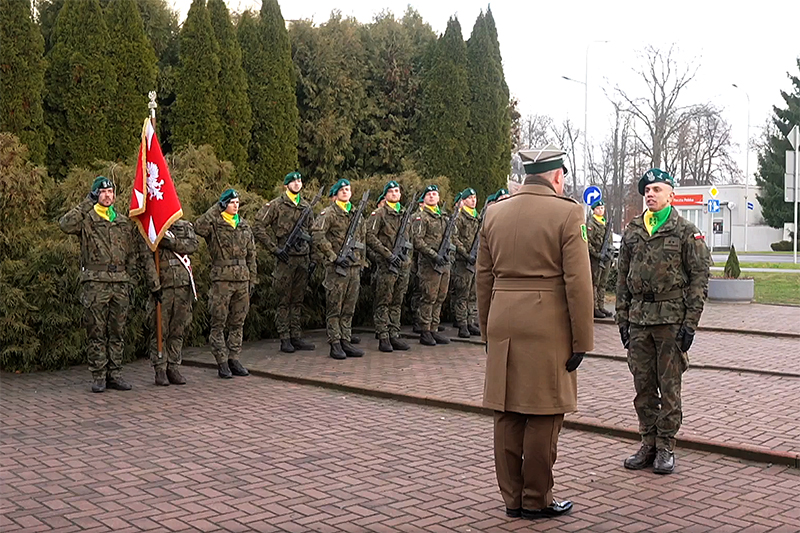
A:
[236,368]
[301,344]
[551,511]
[287,346]
[117,384]
[514,513]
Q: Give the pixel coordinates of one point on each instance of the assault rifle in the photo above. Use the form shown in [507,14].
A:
[297,234]
[401,244]
[350,242]
[473,252]
[605,250]
[442,256]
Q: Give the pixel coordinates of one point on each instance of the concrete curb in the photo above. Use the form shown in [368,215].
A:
[740,451]
[719,329]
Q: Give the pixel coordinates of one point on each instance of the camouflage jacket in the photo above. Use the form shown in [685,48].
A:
[233,250]
[595,233]
[427,232]
[464,233]
[183,241]
[330,230]
[663,278]
[382,227]
[110,251]
[275,221]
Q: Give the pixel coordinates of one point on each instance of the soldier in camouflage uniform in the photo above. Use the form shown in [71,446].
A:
[341,292]
[662,284]
[596,230]
[427,233]
[274,223]
[383,226]
[111,248]
[465,301]
[177,300]
[233,276]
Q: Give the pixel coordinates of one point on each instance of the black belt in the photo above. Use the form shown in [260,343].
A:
[104,267]
[659,296]
[229,262]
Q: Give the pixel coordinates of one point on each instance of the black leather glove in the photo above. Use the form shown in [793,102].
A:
[395,261]
[685,338]
[312,266]
[625,336]
[441,261]
[282,254]
[94,196]
[342,262]
[574,361]
[157,295]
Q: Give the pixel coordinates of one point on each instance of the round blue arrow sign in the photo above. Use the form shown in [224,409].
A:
[591,194]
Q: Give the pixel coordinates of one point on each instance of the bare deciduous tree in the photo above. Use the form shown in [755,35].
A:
[700,153]
[566,137]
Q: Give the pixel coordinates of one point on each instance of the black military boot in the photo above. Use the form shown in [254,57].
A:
[117,383]
[439,338]
[385,346]
[474,329]
[399,344]
[664,462]
[463,332]
[440,328]
[641,459]
[426,338]
[608,313]
[350,350]
[224,371]
[236,368]
[174,376]
[337,352]
[99,384]
[455,325]
[354,339]
[416,329]
[599,313]
[300,344]
[287,346]
[161,377]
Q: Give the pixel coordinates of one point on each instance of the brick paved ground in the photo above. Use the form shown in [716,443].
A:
[254,454]
[724,406]
[774,318]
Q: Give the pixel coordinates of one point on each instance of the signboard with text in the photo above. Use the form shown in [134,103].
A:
[688,199]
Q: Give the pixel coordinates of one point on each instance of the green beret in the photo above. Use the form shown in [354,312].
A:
[338,185]
[291,176]
[466,193]
[655,175]
[227,196]
[501,192]
[429,188]
[491,198]
[391,185]
[102,182]
[457,198]
[597,203]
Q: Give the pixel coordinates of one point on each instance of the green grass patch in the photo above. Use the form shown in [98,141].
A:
[780,266]
[776,287]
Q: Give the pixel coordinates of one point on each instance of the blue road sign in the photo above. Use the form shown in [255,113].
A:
[713,205]
[750,206]
[591,194]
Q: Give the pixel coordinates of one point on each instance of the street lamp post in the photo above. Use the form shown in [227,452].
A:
[585,122]
[746,169]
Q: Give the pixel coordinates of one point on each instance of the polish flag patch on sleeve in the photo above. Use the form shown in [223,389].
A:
[698,236]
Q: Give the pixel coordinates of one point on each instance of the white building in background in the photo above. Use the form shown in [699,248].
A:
[727,226]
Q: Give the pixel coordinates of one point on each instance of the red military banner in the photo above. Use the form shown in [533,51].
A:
[154,201]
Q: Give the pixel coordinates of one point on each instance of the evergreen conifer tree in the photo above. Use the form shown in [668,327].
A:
[444,116]
[490,119]
[267,60]
[22,77]
[135,63]
[233,103]
[80,83]
[196,118]
[771,160]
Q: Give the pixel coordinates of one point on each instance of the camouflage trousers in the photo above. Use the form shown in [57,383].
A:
[341,296]
[433,291]
[390,289]
[464,297]
[105,313]
[599,281]
[176,317]
[416,293]
[289,281]
[655,360]
[228,303]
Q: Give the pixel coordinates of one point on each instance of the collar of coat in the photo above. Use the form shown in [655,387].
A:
[536,180]
[668,226]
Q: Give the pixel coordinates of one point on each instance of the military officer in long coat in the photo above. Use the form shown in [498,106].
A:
[535,306]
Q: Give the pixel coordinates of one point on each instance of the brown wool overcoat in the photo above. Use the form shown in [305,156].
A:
[535,300]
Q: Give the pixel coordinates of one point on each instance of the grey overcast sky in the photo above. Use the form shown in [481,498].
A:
[751,44]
